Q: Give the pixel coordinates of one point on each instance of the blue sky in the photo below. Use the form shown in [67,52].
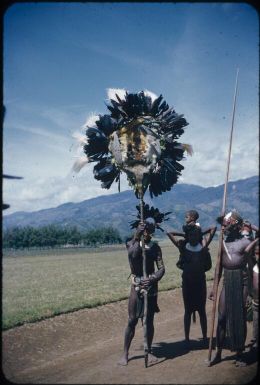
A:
[60,59]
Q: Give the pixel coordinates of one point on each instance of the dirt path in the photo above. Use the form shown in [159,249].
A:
[83,348]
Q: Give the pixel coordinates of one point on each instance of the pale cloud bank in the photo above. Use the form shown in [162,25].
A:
[46,168]
[33,194]
[206,168]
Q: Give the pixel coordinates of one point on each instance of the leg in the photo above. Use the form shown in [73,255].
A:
[202,311]
[187,311]
[255,325]
[203,322]
[187,322]
[152,305]
[239,361]
[130,329]
[129,335]
[245,295]
[150,332]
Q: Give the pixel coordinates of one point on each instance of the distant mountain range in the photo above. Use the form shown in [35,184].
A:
[119,209]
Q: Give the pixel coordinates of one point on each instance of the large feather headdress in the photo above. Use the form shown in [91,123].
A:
[139,137]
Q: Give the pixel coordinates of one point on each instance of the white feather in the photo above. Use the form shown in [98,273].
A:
[81,162]
[152,95]
[91,121]
[188,148]
[228,215]
[111,93]
[80,138]
[185,147]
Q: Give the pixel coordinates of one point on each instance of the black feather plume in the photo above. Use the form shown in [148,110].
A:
[150,212]
[153,128]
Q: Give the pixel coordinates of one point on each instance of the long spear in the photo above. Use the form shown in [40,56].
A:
[217,269]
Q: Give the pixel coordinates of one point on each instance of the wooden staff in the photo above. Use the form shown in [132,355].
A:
[145,291]
[216,276]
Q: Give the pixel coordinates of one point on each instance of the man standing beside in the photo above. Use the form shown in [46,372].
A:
[233,296]
[150,284]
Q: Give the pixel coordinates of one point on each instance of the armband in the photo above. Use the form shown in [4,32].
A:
[160,263]
[152,278]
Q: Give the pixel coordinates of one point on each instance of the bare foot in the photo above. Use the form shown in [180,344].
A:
[216,359]
[240,362]
[123,361]
[151,358]
[253,345]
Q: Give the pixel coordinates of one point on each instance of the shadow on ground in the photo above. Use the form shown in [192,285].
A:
[168,351]
[179,348]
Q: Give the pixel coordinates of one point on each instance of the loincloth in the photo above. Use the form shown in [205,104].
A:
[152,295]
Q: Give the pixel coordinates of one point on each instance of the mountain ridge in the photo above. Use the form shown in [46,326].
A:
[119,209]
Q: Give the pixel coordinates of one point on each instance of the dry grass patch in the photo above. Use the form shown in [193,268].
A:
[37,285]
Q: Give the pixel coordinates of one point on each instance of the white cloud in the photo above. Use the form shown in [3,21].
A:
[63,117]
[122,55]
[52,156]
[41,193]
[42,132]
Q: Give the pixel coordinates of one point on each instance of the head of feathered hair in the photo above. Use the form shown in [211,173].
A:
[234,214]
[150,215]
[139,137]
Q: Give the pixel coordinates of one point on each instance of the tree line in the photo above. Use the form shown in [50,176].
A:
[58,236]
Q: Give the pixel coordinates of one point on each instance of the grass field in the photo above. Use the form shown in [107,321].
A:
[40,284]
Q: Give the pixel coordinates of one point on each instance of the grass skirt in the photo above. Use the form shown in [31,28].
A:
[235,311]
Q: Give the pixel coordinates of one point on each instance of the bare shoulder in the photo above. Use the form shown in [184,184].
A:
[129,242]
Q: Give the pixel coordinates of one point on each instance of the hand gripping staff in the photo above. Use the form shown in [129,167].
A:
[217,268]
[139,138]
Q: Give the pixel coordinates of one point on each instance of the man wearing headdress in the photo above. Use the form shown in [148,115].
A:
[136,302]
[233,296]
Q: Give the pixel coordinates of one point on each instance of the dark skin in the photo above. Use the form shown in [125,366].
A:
[250,229]
[193,238]
[255,275]
[205,242]
[135,261]
[255,295]
[238,249]
[189,218]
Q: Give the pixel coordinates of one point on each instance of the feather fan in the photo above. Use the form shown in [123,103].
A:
[139,136]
